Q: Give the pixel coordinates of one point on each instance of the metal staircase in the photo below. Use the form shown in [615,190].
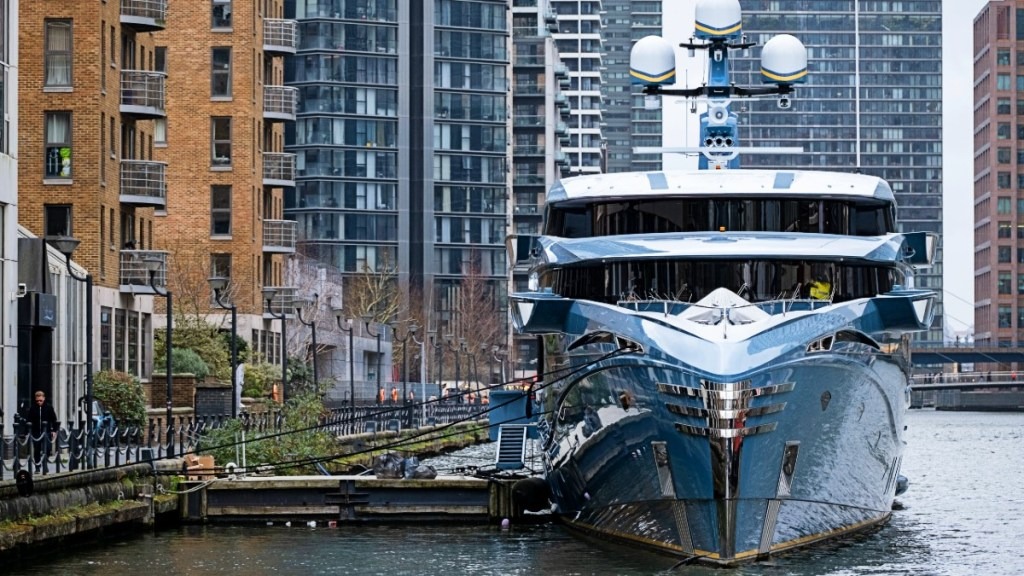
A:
[511,447]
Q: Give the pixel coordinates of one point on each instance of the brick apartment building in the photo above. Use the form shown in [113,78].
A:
[89,98]
[154,132]
[223,142]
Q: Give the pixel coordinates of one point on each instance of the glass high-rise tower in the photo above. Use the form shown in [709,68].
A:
[402,142]
[872,102]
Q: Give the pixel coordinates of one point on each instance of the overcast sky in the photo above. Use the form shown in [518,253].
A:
[958,162]
[958,165]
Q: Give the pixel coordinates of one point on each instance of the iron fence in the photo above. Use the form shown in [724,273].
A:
[69,449]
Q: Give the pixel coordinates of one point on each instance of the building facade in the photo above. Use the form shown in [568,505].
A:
[89,94]
[223,144]
[999,175]
[540,114]
[579,43]
[8,210]
[627,122]
[872,102]
[402,144]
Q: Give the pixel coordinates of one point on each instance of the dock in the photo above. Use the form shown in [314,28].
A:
[349,499]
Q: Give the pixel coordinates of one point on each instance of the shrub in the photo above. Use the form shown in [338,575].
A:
[193,333]
[302,438]
[123,395]
[188,362]
[259,378]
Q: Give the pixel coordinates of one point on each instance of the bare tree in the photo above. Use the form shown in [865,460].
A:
[374,291]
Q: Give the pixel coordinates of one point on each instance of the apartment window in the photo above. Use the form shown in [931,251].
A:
[1003,254]
[222,13]
[1003,131]
[220,210]
[1003,205]
[220,133]
[105,337]
[57,220]
[1002,82]
[220,74]
[57,57]
[160,131]
[1004,230]
[1005,316]
[133,343]
[1003,179]
[103,56]
[120,338]
[58,145]
[1003,57]
[1005,283]
[1003,106]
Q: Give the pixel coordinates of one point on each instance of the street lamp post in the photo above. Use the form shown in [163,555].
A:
[423,379]
[457,346]
[312,327]
[436,344]
[366,322]
[219,284]
[66,245]
[409,332]
[348,327]
[153,264]
[268,295]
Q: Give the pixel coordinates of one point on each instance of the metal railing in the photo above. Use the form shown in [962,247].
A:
[70,450]
[283,302]
[280,102]
[135,275]
[280,35]
[155,10]
[143,89]
[144,181]
[278,168]
[279,236]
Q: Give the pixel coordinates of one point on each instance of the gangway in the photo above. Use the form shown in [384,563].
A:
[511,447]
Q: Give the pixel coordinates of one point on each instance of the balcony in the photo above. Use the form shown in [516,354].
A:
[135,276]
[528,180]
[561,159]
[144,183]
[561,70]
[144,15]
[280,103]
[278,169]
[562,101]
[143,93]
[280,37]
[527,89]
[561,129]
[279,236]
[520,150]
[528,210]
[284,302]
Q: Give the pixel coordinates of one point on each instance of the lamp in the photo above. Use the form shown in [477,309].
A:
[409,332]
[348,327]
[269,292]
[315,301]
[219,285]
[152,264]
[66,245]
[367,319]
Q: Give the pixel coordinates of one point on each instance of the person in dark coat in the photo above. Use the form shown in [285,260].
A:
[38,416]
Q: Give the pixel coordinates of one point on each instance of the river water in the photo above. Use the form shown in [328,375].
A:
[963,514]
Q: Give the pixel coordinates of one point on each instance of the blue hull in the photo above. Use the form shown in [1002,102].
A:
[726,468]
